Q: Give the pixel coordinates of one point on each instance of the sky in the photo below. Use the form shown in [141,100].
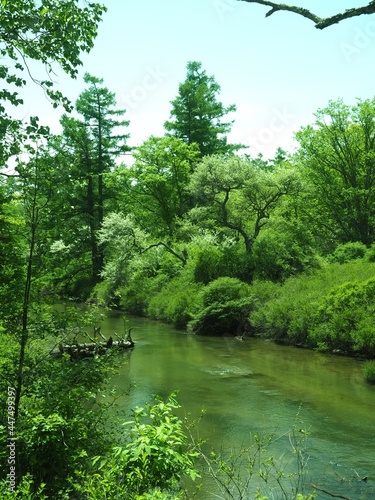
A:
[278,70]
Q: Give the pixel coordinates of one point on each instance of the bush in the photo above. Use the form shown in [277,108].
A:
[349,251]
[279,254]
[330,309]
[177,301]
[369,370]
[344,320]
[226,304]
[154,459]
[213,262]
[370,254]
[60,424]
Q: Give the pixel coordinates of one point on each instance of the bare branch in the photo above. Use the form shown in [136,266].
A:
[9,175]
[320,22]
[328,493]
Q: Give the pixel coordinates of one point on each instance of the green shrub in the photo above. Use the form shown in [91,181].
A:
[60,423]
[212,262]
[370,254]
[177,301]
[345,318]
[369,370]
[277,254]
[155,457]
[349,251]
[226,304]
[314,311]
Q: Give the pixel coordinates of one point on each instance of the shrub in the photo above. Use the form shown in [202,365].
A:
[370,254]
[345,318]
[349,251]
[226,304]
[278,254]
[369,370]
[304,311]
[177,301]
[150,464]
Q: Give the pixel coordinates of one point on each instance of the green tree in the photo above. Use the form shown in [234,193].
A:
[196,115]
[86,152]
[160,176]
[12,248]
[31,30]
[234,195]
[337,156]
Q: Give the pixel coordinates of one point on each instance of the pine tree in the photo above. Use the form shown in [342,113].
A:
[90,147]
[196,115]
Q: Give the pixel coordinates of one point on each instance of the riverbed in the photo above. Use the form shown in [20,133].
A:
[252,386]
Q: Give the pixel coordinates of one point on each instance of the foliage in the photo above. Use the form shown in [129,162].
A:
[238,198]
[220,258]
[370,254]
[369,371]
[337,157]
[155,457]
[330,309]
[25,490]
[60,423]
[31,30]
[348,251]
[285,248]
[344,320]
[85,154]
[159,177]
[122,240]
[196,115]
[226,304]
[177,301]
[12,254]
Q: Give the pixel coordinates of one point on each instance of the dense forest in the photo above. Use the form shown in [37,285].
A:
[186,228]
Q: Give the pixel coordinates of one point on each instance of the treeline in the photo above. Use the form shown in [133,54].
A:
[197,234]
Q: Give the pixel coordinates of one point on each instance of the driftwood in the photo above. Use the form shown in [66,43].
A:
[94,348]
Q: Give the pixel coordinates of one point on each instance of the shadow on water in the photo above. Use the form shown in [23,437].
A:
[254,386]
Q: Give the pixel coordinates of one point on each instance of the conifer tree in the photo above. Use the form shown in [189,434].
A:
[197,116]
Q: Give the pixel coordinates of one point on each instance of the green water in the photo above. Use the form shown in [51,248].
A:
[253,386]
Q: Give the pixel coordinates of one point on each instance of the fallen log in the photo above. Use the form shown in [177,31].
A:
[81,350]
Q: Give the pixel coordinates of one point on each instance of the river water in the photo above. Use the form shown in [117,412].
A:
[253,386]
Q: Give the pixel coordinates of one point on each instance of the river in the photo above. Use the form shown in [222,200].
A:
[254,386]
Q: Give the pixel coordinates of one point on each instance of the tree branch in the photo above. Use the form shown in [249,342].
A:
[182,258]
[328,493]
[320,22]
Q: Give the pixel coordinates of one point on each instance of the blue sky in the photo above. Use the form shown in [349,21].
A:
[278,71]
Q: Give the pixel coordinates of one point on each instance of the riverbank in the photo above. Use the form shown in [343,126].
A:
[331,309]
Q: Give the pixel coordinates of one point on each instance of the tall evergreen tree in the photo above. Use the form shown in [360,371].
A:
[196,115]
[88,150]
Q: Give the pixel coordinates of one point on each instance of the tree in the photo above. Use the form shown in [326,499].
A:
[31,30]
[12,249]
[160,177]
[196,115]
[337,156]
[87,151]
[234,195]
[320,22]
